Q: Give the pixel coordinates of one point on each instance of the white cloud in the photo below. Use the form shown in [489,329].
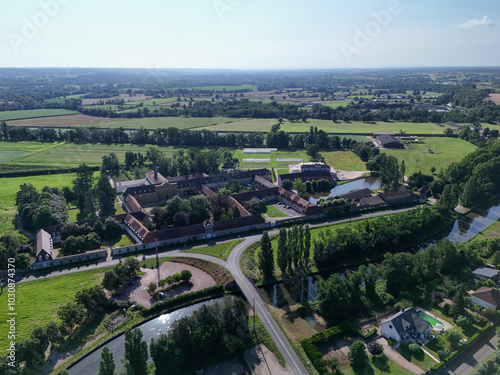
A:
[485,22]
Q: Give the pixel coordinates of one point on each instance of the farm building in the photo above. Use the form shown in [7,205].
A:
[390,141]
[43,246]
[486,297]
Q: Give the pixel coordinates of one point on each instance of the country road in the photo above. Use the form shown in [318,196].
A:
[249,290]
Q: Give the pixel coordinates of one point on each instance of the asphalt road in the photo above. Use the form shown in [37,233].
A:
[250,291]
[465,362]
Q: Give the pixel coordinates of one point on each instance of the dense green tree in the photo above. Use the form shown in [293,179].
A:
[106,194]
[82,184]
[107,364]
[282,252]
[358,357]
[266,257]
[167,357]
[136,352]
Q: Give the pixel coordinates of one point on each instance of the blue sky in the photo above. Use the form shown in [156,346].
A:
[249,34]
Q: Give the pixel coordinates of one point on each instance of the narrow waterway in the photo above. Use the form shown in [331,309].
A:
[150,329]
[367,182]
[304,289]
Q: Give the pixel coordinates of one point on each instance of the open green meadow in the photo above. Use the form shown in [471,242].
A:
[174,122]
[10,186]
[34,113]
[444,152]
[343,160]
[37,301]
[62,154]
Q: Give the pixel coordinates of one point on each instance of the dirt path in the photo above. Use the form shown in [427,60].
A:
[350,175]
[138,292]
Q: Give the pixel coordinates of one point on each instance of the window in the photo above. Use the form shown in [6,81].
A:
[390,326]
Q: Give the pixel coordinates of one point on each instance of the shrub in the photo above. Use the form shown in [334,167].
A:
[415,349]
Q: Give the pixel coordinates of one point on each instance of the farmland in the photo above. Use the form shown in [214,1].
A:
[261,125]
[444,151]
[37,301]
[80,120]
[343,160]
[67,155]
[14,115]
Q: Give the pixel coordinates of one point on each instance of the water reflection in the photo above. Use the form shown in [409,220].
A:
[153,328]
[368,182]
[304,289]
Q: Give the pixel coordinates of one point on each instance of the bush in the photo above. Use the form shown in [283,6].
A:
[415,349]
[442,354]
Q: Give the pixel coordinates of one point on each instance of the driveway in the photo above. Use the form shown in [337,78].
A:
[394,356]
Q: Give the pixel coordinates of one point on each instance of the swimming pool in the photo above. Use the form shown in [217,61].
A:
[429,319]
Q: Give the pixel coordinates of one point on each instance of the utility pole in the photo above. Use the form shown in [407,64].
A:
[157,259]
[254,315]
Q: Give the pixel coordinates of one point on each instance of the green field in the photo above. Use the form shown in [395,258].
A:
[67,154]
[166,122]
[16,115]
[273,163]
[343,160]
[445,151]
[220,250]
[37,301]
[264,125]
[10,186]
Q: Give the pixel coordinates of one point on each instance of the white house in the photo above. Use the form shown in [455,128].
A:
[405,323]
[486,297]
[43,246]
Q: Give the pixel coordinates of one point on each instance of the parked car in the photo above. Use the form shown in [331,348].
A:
[161,294]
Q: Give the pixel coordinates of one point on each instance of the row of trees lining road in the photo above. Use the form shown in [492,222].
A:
[41,209]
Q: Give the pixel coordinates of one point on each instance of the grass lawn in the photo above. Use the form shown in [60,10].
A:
[445,151]
[379,366]
[220,250]
[492,231]
[344,160]
[422,360]
[274,212]
[123,241]
[37,301]
[34,113]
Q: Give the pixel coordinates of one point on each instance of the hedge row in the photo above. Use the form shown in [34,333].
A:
[38,172]
[368,334]
[213,291]
[310,345]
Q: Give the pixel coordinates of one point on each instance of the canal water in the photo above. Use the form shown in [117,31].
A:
[150,329]
[304,289]
[367,182]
